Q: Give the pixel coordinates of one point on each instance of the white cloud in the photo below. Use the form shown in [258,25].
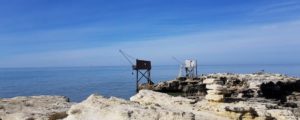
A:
[276,8]
[271,43]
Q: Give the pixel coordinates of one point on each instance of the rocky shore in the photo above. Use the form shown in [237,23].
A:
[34,108]
[220,96]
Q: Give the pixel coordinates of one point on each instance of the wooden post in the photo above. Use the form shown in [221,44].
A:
[149,79]
[137,81]
[196,69]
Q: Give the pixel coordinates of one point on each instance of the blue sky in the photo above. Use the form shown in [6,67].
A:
[51,33]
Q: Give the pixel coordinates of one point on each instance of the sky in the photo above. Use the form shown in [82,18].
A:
[56,33]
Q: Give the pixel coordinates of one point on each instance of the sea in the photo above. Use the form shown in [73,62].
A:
[77,83]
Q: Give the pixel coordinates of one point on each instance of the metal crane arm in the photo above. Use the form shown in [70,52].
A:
[180,63]
[126,56]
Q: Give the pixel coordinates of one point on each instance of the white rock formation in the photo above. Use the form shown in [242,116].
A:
[215,90]
[214,110]
[254,80]
[175,103]
[100,108]
[282,114]
[247,110]
[146,105]
[34,108]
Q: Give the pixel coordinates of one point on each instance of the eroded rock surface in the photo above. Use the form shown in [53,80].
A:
[175,103]
[267,85]
[146,105]
[34,108]
[215,90]
[187,87]
[216,110]
[150,105]
[259,89]
[97,107]
[256,96]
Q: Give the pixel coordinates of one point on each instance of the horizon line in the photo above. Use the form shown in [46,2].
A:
[86,66]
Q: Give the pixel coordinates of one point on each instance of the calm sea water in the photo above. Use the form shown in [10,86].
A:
[77,83]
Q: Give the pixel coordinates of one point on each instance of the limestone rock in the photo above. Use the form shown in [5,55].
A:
[248,96]
[174,103]
[34,107]
[215,87]
[282,114]
[214,92]
[98,107]
[204,109]
[209,81]
[215,98]
[247,110]
[147,96]
[259,88]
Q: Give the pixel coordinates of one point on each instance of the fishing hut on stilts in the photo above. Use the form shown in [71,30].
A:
[142,70]
[190,69]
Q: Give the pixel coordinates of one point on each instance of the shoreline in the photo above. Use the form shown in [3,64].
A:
[217,96]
